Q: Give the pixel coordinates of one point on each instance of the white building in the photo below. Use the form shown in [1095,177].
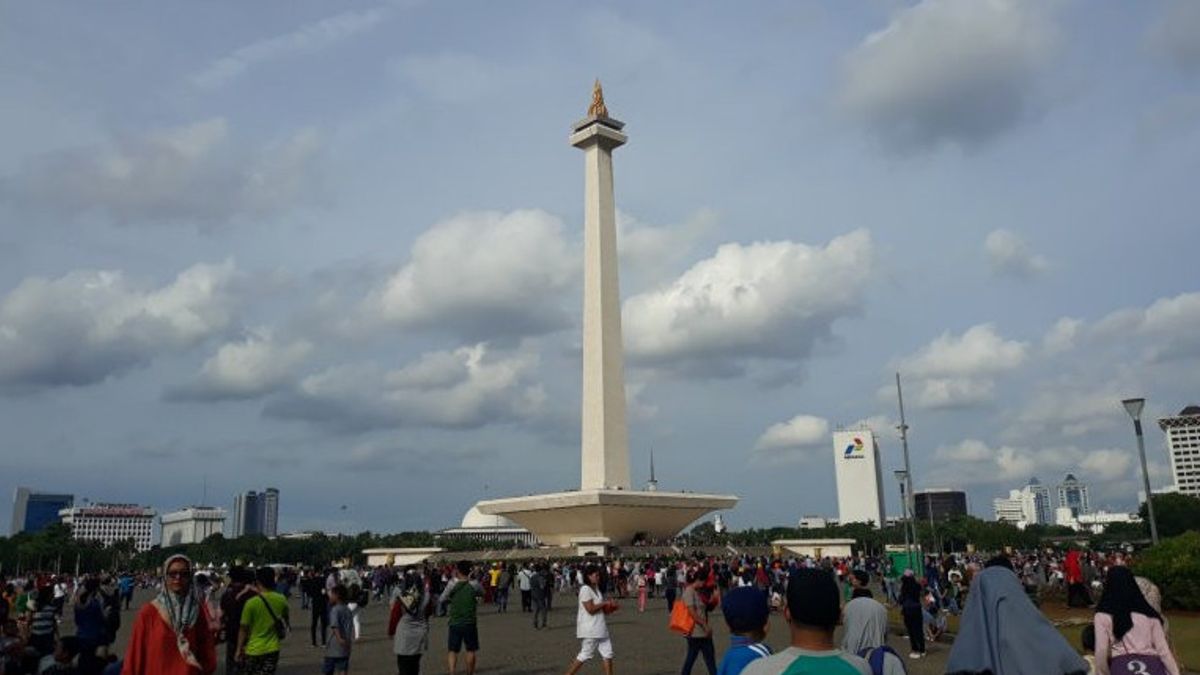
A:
[1018,508]
[483,528]
[1028,506]
[1183,444]
[192,525]
[1096,522]
[1073,494]
[108,523]
[813,523]
[859,477]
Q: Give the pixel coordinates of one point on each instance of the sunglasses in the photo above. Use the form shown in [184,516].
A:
[179,574]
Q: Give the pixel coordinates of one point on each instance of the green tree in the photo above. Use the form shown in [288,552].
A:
[1175,514]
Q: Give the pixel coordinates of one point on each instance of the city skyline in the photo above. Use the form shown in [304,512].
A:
[337,252]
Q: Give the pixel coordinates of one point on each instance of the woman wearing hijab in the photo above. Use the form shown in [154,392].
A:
[1003,633]
[865,624]
[172,635]
[913,613]
[1129,632]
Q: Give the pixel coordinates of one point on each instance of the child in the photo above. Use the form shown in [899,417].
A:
[1088,638]
[747,613]
[341,621]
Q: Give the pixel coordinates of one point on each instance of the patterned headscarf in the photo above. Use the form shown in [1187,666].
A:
[179,611]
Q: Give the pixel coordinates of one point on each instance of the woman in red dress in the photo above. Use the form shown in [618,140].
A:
[173,634]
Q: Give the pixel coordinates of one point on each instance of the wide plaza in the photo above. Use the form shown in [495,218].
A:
[510,646]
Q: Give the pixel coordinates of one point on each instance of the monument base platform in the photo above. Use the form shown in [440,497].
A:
[565,518]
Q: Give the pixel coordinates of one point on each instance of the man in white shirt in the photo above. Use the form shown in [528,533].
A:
[524,582]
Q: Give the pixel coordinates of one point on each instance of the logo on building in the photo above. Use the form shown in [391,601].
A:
[854,450]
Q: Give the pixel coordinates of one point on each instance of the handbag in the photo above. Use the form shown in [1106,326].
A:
[682,621]
[281,627]
[1136,664]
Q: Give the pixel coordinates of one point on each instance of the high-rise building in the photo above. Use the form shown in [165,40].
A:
[192,525]
[1183,444]
[34,511]
[859,478]
[256,513]
[108,523]
[1073,494]
[1041,501]
[270,512]
[939,504]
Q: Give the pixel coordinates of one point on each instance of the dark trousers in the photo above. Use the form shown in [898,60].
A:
[320,614]
[914,623]
[669,594]
[541,608]
[700,647]
[526,601]
[232,667]
[408,664]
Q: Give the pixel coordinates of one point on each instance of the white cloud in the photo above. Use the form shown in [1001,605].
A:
[1062,335]
[800,431]
[978,351]
[464,389]
[1072,408]
[945,71]
[482,275]
[649,254]
[195,173]
[1176,34]
[1170,325]
[87,326]
[306,39]
[764,300]
[253,366]
[974,462]
[1009,255]
[958,371]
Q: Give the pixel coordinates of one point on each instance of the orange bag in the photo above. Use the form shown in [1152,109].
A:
[682,621]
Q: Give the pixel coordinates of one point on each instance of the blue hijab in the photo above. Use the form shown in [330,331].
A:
[1002,633]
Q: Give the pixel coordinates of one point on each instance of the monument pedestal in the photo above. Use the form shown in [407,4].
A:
[567,518]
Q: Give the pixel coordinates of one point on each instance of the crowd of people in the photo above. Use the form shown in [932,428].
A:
[194,616]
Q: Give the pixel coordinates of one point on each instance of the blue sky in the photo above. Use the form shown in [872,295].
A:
[336,250]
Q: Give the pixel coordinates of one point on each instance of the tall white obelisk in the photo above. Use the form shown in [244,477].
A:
[605,447]
[604,511]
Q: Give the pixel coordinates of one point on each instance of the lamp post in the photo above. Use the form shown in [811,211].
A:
[1134,406]
[909,506]
[902,479]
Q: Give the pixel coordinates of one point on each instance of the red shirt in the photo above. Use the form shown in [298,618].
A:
[152,649]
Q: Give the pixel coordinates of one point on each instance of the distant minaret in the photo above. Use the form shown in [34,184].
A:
[605,437]
[652,484]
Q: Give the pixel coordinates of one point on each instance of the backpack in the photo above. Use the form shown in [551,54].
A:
[877,656]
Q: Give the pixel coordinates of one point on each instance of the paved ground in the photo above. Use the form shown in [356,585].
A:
[510,645]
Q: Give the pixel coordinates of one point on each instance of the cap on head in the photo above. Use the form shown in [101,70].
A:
[746,609]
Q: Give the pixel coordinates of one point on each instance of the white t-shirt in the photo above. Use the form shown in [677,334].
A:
[590,625]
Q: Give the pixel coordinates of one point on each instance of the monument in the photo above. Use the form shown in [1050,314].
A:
[605,510]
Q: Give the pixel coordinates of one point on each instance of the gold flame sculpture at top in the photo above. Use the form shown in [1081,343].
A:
[597,108]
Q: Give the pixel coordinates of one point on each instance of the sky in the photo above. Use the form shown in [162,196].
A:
[335,248]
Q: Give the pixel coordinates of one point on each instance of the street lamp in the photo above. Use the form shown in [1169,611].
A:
[1134,406]
[902,479]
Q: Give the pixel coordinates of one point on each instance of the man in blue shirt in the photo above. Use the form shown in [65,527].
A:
[747,613]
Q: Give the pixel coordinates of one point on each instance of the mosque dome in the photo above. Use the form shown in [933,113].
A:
[474,518]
